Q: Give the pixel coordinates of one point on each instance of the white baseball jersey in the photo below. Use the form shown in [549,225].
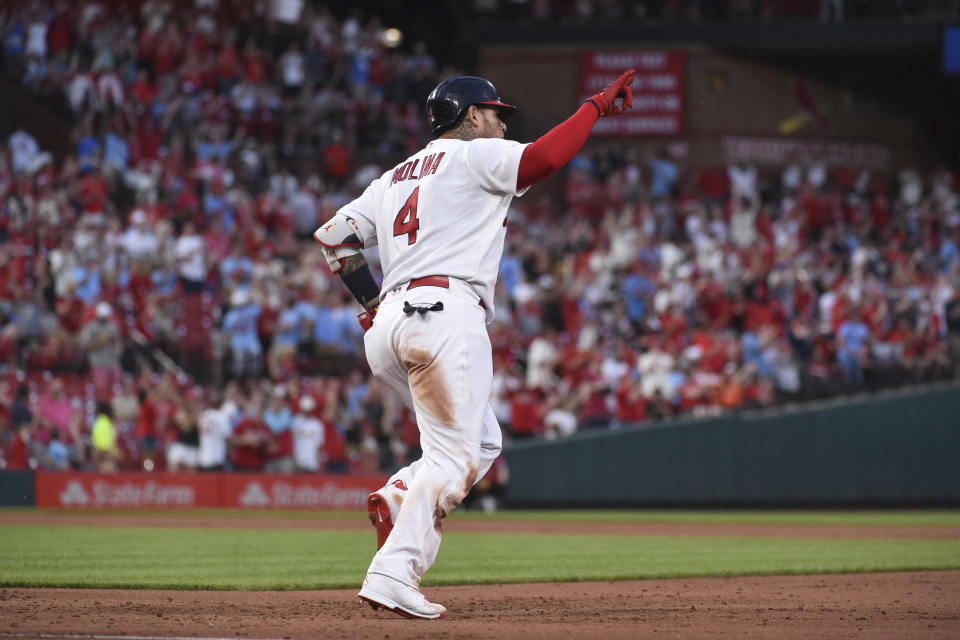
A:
[443,211]
[214,429]
[307,439]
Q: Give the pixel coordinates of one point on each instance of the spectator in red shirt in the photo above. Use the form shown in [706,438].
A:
[526,414]
[145,427]
[58,33]
[593,392]
[337,159]
[18,453]
[70,311]
[252,440]
[142,90]
[631,405]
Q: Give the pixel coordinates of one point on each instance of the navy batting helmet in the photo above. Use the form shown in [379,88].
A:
[448,101]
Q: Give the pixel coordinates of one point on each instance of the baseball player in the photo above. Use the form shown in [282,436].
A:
[440,218]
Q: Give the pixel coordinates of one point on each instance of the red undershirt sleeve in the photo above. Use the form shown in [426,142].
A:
[555,148]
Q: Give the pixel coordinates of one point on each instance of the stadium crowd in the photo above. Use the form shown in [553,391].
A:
[162,302]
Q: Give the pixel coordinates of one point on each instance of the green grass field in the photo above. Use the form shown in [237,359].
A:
[871,518]
[204,558]
[917,517]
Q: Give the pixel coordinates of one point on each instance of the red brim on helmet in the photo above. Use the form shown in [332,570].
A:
[505,110]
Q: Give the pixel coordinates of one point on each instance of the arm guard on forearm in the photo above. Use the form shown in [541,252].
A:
[341,240]
[356,275]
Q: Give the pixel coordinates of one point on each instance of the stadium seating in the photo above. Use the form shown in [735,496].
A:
[708,293]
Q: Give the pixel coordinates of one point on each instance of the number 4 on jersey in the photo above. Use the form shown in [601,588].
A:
[406,221]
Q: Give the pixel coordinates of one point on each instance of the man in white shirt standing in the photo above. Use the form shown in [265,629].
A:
[440,218]
[138,240]
[215,431]
[308,436]
[190,252]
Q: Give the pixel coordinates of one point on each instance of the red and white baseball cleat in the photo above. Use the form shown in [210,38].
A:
[383,592]
[383,506]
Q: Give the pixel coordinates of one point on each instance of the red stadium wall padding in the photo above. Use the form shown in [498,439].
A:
[203,490]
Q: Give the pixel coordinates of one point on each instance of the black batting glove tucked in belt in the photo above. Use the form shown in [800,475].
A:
[421,308]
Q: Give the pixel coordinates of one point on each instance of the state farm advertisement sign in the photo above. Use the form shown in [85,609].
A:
[183,491]
[780,151]
[299,491]
[132,490]
[658,90]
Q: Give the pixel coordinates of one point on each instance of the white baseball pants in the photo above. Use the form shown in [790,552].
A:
[440,364]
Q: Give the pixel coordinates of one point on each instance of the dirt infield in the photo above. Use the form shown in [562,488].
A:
[884,605]
[875,606]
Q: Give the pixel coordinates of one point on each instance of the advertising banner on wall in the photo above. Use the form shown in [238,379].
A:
[780,151]
[131,490]
[298,491]
[184,491]
[658,90]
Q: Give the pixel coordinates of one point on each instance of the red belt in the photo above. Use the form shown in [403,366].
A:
[435,281]
[430,281]
[366,318]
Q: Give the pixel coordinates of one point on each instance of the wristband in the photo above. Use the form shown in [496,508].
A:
[366,318]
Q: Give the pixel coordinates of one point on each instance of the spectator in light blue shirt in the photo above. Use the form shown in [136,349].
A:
[511,272]
[356,394]
[215,204]
[14,42]
[306,312]
[116,153]
[663,175]
[286,339]
[87,280]
[636,290]
[328,328]
[278,415]
[236,268]
[241,325]
[88,149]
[214,150]
[58,453]
[359,70]
[36,71]
[279,419]
[288,326]
[948,254]
[852,337]
[332,336]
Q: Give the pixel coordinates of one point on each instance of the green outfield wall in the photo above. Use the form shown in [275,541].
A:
[899,449]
